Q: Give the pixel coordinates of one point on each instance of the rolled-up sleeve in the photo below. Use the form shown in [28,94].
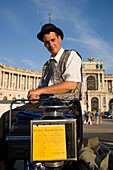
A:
[73,68]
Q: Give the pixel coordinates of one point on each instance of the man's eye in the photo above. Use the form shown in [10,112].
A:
[53,40]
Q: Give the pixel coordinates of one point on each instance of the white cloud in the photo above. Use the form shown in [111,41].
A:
[6,60]
[87,38]
[30,64]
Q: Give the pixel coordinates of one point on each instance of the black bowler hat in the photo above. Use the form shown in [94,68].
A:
[49,28]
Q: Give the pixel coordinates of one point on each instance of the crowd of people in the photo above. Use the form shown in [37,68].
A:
[89,117]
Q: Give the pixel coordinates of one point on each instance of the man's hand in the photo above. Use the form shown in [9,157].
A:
[31,96]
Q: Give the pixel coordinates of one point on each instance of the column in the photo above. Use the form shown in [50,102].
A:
[12,82]
[20,81]
[26,86]
[2,79]
[34,83]
[29,83]
[24,78]
[98,81]
[105,85]
[17,81]
[102,80]
[9,80]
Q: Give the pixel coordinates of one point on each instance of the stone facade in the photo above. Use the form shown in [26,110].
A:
[15,82]
[97,87]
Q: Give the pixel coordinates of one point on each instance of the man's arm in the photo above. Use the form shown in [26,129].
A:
[63,87]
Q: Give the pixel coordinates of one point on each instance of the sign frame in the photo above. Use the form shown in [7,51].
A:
[69,140]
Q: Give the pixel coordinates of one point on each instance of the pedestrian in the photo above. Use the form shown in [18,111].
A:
[97,117]
[96,114]
[100,118]
[86,116]
[89,122]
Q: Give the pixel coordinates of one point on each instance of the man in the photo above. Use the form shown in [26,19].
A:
[66,78]
[64,81]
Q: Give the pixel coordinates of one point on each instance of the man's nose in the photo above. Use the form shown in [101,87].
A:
[51,44]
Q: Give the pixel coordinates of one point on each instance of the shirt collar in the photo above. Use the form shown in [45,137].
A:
[57,57]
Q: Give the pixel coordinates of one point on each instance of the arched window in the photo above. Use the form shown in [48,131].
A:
[4,98]
[94,104]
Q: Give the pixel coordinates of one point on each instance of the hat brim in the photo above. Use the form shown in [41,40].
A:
[57,30]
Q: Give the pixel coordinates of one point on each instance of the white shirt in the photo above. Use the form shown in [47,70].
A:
[73,67]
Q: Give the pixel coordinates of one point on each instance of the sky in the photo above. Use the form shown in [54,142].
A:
[87,26]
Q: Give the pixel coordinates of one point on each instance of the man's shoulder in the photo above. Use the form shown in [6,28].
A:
[74,51]
[46,63]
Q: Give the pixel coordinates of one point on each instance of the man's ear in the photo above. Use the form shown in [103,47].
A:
[60,39]
[44,43]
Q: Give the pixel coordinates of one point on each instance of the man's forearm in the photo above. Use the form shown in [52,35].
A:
[60,88]
[63,87]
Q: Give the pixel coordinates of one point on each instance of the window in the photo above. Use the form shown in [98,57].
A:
[94,104]
[100,77]
[91,83]
[4,98]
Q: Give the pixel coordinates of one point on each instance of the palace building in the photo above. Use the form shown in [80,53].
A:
[97,87]
[15,82]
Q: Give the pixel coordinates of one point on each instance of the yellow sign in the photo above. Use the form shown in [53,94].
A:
[49,142]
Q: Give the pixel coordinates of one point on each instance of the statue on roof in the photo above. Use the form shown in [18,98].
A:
[90,59]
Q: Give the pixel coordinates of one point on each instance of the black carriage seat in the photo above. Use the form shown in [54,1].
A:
[22,128]
[22,125]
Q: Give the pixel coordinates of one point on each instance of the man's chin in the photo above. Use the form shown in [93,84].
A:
[53,54]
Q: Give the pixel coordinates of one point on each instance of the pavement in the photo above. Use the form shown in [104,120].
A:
[104,132]
[105,126]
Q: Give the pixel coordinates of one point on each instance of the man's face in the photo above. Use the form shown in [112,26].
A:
[52,43]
